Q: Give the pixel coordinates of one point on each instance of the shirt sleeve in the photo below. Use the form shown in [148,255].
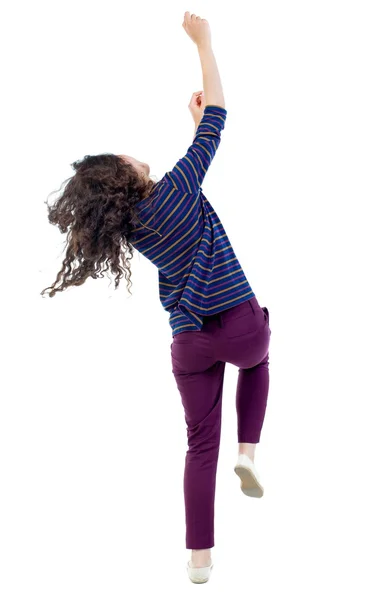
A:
[189,172]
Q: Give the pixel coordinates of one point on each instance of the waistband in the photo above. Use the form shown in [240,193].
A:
[220,316]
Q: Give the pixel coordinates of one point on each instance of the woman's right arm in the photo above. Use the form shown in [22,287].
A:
[189,172]
[199,31]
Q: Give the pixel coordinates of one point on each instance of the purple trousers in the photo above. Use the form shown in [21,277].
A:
[240,336]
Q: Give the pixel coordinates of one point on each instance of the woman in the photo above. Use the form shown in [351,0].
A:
[111,203]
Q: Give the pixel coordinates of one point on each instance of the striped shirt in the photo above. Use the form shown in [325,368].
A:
[182,235]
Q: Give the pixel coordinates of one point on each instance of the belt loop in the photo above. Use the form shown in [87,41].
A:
[220,319]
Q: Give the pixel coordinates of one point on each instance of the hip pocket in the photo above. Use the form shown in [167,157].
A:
[242,325]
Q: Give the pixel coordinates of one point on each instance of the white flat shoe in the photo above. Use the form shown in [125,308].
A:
[248,473]
[199,574]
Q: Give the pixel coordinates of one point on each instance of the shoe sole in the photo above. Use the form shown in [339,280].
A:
[249,484]
[199,580]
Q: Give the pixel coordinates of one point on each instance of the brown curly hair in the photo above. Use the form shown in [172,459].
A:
[97,209]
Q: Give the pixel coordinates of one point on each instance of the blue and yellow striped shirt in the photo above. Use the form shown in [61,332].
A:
[181,234]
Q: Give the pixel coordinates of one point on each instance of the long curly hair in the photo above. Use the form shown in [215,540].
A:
[97,209]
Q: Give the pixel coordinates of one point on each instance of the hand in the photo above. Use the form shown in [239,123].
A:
[197,29]
[197,106]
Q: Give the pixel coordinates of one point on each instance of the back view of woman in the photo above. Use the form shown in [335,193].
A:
[111,203]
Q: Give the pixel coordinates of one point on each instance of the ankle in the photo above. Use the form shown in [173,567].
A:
[248,449]
[200,558]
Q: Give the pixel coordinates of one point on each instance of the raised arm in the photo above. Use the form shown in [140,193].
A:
[189,172]
[213,92]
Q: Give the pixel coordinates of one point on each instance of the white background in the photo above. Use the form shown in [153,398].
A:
[92,432]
